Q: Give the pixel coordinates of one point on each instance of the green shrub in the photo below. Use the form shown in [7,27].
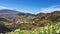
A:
[49,29]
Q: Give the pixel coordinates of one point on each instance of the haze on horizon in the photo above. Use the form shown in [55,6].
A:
[31,6]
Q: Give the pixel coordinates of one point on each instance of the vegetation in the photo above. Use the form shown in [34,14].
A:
[42,23]
[49,29]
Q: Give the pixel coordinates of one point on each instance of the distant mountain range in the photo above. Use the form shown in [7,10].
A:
[13,12]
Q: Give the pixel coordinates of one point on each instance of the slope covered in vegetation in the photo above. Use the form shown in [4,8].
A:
[32,24]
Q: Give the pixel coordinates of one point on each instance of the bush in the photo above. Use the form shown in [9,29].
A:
[49,29]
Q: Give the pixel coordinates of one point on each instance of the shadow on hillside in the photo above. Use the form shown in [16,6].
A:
[4,29]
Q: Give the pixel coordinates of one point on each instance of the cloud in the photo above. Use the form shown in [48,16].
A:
[44,10]
[26,11]
[2,7]
[49,9]
[21,10]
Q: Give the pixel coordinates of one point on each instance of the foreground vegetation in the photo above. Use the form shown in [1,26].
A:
[48,29]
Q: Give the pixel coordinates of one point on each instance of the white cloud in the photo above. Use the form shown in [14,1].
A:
[2,7]
[49,9]
[25,11]
[44,10]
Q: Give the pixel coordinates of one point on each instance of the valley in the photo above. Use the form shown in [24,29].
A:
[19,21]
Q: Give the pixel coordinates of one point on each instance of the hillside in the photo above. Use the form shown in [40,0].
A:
[12,19]
[53,16]
[42,23]
[43,18]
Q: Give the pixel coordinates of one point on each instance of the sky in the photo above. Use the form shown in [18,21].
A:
[31,6]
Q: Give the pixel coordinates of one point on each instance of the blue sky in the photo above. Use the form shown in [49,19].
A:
[31,6]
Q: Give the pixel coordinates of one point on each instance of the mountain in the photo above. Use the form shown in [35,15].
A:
[27,14]
[44,18]
[8,11]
